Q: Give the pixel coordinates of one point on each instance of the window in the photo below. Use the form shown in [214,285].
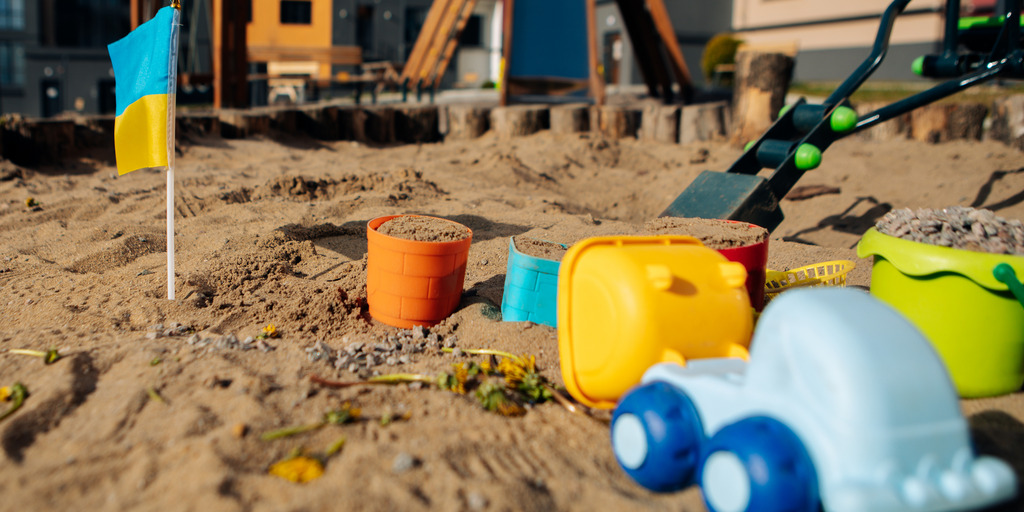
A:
[296,12]
[12,64]
[82,23]
[472,34]
[12,14]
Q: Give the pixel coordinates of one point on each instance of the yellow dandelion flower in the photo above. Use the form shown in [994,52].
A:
[514,373]
[270,331]
[299,469]
[461,376]
[30,202]
[5,393]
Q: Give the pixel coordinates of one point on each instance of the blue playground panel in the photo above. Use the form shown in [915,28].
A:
[550,40]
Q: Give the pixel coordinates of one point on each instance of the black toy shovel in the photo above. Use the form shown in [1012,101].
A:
[794,143]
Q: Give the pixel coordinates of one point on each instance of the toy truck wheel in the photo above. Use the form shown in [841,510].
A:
[758,464]
[656,436]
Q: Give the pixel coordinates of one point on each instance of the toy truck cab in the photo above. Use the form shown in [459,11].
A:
[844,404]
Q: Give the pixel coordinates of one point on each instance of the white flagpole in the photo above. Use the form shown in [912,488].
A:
[171,92]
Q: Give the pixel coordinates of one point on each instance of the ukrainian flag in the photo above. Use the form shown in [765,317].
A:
[145,75]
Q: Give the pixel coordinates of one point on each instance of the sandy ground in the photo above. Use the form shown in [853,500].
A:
[272,231]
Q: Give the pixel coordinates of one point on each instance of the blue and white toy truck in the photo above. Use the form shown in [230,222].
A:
[844,405]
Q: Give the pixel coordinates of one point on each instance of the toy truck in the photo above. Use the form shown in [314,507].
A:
[843,405]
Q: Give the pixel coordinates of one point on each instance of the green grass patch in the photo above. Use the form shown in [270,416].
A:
[894,91]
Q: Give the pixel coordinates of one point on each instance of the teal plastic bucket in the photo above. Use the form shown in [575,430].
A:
[531,288]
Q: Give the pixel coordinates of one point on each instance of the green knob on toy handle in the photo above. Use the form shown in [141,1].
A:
[749,145]
[1004,273]
[807,157]
[843,119]
[784,109]
[918,66]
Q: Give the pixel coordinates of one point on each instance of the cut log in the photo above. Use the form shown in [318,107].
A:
[614,122]
[519,120]
[239,124]
[660,123]
[762,80]
[570,118]
[1008,121]
[942,122]
[417,124]
[374,125]
[467,121]
[703,122]
[327,123]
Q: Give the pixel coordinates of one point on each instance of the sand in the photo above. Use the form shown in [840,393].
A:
[272,231]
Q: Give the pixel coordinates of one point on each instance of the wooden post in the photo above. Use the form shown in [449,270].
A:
[230,62]
[506,48]
[518,120]
[596,82]
[762,80]
[660,123]
[613,121]
[1008,121]
[702,122]
[467,121]
[569,119]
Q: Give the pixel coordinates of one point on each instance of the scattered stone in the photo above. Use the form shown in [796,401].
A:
[320,351]
[404,462]
[476,501]
[958,227]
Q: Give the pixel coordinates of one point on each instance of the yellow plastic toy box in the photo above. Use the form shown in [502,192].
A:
[628,302]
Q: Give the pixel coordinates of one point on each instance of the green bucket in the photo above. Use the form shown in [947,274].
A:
[972,318]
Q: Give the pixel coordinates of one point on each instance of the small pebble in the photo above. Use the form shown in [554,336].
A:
[404,462]
[476,501]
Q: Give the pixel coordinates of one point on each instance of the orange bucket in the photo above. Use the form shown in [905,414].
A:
[411,282]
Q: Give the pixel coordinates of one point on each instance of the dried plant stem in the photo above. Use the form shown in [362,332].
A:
[394,378]
[49,356]
[290,431]
[569,406]
[487,352]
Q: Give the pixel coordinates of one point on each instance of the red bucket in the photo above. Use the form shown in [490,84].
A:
[755,258]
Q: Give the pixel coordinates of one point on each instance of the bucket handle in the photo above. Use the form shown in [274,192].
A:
[1004,273]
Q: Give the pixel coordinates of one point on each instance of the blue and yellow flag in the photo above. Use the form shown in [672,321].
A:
[145,75]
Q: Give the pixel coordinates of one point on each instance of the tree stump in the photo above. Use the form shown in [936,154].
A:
[239,124]
[568,119]
[702,122]
[518,120]
[417,124]
[467,121]
[895,128]
[614,122]
[1008,121]
[762,80]
[660,123]
[942,122]
[374,125]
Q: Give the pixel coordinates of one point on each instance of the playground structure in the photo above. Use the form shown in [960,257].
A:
[975,50]
[647,23]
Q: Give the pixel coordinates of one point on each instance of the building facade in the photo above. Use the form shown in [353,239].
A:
[53,58]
